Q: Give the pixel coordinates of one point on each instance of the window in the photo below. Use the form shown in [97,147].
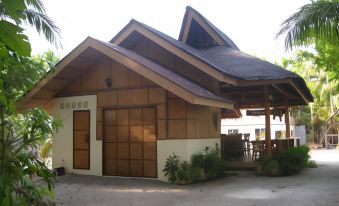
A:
[259,133]
[233,131]
[280,134]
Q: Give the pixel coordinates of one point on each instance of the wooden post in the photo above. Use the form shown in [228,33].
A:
[287,120]
[267,123]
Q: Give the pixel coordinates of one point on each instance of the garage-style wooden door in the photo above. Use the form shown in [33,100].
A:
[129,142]
[81,140]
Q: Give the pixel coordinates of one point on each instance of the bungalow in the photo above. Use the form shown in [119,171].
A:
[129,103]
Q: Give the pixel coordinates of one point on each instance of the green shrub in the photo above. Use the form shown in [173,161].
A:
[289,162]
[171,169]
[293,159]
[210,160]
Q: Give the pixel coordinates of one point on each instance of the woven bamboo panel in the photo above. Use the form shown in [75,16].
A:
[150,168]
[136,168]
[148,116]
[149,133]
[122,150]
[81,159]
[135,116]
[123,167]
[177,129]
[110,151]
[110,134]
[176,109]
[81,120]
[81,139]
[136,133]
[136,151]
[110,167]
[150,151]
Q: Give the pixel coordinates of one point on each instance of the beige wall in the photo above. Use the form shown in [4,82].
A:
[62,146]
[184,148]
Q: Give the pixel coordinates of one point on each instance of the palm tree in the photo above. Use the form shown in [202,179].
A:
[15,13]
[318,20]
[35,15]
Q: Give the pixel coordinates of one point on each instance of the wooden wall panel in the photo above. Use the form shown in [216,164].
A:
[161,129]
[133,97]
[150,168]
[177,109]
[80,159]
[157,96]
[107,99]
[177,129]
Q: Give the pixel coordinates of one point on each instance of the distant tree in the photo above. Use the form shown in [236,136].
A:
[316,21]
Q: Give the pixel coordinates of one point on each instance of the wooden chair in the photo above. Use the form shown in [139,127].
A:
[258,149]
[246,145]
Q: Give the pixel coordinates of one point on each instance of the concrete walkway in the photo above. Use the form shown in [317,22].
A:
[319,186]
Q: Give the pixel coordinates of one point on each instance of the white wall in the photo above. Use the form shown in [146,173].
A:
[181,147]
[63,139]
[248,124]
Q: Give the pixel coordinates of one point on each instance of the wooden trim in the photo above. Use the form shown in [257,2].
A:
[89,142]
[267,123]
[59,67]
[287,119]
[186,28]
[299,92]
[178,52]
[262,82]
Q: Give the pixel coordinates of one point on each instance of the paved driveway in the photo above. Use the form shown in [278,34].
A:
[319,186]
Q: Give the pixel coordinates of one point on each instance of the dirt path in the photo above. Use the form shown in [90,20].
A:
[319,186]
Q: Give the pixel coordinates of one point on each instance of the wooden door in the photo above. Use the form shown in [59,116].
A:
[81,139]
[130,142]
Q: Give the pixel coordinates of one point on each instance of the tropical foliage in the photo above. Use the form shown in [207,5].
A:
[316,21]
[15,13]
[21,133]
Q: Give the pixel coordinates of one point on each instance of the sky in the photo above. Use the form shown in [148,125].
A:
[252,25]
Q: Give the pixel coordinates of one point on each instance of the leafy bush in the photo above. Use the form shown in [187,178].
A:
[293,159]
[205,165]
[210,160]
[172,168]
[269,166]
[289,162]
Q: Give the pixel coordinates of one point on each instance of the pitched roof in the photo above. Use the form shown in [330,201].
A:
[221,34]
[165,78]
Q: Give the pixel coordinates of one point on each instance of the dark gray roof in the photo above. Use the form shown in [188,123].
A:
[231,61]
[222,35]
[244,66]
[166,73]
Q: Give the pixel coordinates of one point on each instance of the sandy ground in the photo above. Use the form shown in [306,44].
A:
[318,186]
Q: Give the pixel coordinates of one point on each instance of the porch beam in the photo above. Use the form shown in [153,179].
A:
[267,122]
[287,119]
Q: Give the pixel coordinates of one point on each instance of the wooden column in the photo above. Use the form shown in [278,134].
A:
[267,123]
[287,120]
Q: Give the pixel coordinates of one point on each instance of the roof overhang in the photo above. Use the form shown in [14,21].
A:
[135,26]
[165,78]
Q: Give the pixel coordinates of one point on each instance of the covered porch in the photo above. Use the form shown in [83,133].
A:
[267,98]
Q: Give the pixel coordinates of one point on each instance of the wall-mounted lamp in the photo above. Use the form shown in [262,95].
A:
[108,82]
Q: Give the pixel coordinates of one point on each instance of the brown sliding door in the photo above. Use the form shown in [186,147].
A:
[130,142]
[81,139]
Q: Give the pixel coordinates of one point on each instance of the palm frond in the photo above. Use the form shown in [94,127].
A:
[315,21]
[36,4]
[43,24]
